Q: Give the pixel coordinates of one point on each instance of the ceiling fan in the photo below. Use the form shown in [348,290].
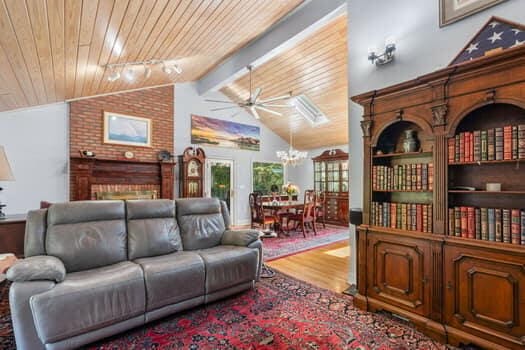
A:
[254,103]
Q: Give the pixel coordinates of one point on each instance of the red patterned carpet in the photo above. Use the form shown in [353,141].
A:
[275,248]
[282,313]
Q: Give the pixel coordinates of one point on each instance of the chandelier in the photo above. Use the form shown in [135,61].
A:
[291,157]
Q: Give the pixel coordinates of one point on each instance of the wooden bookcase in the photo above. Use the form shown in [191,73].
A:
[456,289]
[331,177]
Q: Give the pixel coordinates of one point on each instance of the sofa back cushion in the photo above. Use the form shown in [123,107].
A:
[87,234]
[201,222]
[152,228]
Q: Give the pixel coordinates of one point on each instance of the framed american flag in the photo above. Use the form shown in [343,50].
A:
[451,11]
[495,36]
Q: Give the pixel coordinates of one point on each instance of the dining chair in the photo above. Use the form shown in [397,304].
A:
[306,217]
[320,214]
[257,213]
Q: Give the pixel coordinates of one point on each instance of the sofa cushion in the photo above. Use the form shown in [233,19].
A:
[152,228]
[172,278]
[87,234]
[227,266]
[201,222]
[89,300]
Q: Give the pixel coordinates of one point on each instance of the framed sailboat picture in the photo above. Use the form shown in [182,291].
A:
[127,130]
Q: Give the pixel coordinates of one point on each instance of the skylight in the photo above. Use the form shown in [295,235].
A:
[309,110]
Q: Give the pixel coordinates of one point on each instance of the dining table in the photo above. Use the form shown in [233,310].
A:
[278,207]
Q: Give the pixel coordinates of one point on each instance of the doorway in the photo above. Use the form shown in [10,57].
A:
[220,182]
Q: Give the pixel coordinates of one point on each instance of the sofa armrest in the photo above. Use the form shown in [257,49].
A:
[37,268]
[241,238]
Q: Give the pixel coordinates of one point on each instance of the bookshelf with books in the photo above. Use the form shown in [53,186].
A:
[437,245]
[488,147]
[402,182]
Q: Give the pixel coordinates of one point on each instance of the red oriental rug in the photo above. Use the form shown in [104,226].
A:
[281,313]
[275,248]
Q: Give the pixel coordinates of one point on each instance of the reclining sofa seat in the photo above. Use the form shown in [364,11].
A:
[97,268]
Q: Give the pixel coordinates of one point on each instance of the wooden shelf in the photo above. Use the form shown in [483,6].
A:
[485,243]
[486,162]
[399,231]
[402,155]
[486,192]
[404,191]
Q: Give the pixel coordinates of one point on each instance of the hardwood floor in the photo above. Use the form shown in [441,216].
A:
[325,267]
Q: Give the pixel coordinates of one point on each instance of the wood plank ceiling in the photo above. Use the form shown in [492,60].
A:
[55,50]
[316,67]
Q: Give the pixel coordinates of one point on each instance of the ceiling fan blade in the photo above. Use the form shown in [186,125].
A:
[254,112]
[278,98]
[218,101]
[268,110]
[223,108]
[274,105]
[256,94]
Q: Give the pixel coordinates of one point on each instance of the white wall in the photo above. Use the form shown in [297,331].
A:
[36,143]
[188,102]
[303,175]
[422,47]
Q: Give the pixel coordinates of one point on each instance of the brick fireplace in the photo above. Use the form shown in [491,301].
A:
[95,176]
[110,171]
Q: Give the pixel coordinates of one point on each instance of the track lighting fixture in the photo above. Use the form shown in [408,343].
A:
[167,69]
[147,72]
[114,75]
[128,70]
[129,74]
[177,69]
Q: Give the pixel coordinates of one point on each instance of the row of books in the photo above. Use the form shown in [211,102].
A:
[403,177]
[488,224]
[403,216]
[506,143]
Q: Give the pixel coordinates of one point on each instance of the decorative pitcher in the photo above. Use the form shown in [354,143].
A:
[410,143]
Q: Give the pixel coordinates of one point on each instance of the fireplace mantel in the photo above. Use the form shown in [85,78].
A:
[87,172]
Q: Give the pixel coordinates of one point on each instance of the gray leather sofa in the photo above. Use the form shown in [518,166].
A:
[97,268]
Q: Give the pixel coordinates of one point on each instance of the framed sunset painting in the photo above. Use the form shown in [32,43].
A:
[451,11]
[224,133]
[127,130]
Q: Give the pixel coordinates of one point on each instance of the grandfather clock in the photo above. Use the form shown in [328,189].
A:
[192,172]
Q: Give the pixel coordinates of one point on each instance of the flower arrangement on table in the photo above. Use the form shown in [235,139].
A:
[290,189]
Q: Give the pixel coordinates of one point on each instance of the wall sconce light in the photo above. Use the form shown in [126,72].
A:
[385,57]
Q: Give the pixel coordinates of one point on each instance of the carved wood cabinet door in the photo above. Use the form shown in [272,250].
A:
[398,271]
[485,294]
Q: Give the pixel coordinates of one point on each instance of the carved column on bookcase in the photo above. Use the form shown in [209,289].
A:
[439,118]
[366,126]
[167,179]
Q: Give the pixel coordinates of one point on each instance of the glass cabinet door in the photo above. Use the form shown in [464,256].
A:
[344,176]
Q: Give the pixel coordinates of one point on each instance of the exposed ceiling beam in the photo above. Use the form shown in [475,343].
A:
[295,27]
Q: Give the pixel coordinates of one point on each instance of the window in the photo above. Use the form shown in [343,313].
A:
[266,174]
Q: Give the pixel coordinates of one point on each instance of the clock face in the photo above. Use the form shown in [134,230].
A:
[193,168]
